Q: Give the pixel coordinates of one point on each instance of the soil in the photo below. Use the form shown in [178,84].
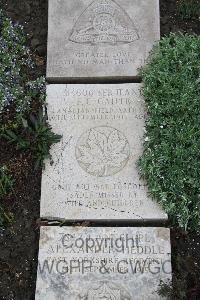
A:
[185,264]
[170,22]
[19,241]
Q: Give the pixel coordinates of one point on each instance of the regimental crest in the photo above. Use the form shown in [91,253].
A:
[105,291]
[104,22]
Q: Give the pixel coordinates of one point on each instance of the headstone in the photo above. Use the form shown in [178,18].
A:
[100,39]
[93,173]
[99,263]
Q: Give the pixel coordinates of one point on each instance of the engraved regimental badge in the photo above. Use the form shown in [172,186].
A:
[105,22]
[105,291]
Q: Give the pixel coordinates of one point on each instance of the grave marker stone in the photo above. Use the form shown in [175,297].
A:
[93,173]
[95,263]
[100,39]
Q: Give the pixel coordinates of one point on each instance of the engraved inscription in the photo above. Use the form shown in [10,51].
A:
[102,151]
[105,291]
[102,263]
[104,22]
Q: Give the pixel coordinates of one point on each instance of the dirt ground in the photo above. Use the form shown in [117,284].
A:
[19,242]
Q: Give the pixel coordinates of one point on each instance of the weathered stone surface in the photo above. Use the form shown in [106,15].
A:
[93,174]
[94,263]
[100,39]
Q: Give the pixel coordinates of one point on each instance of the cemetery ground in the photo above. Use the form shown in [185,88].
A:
[19,233]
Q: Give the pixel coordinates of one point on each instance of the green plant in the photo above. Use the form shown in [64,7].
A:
[188,9]
[35,136]
[6,185]
[173,292]
[171,158]
[17,89]
[165,290]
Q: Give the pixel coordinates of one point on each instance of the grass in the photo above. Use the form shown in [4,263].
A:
[171,158]
[6,186]
[189,9]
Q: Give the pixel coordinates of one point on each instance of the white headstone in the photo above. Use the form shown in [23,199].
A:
[100,39]
[98,263]
[93,173]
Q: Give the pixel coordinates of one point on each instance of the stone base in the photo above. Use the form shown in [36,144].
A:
[93,263]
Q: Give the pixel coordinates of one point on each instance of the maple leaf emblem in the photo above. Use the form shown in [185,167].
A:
[103,151]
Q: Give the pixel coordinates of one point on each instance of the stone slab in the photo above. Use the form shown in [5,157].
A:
[93,173]
[79,263]
[100,39]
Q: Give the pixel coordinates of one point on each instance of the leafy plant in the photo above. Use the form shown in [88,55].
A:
[165,290]
[173,292]
[35,136]
[188,9]
[17,89]
[6,185]
[171,158]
